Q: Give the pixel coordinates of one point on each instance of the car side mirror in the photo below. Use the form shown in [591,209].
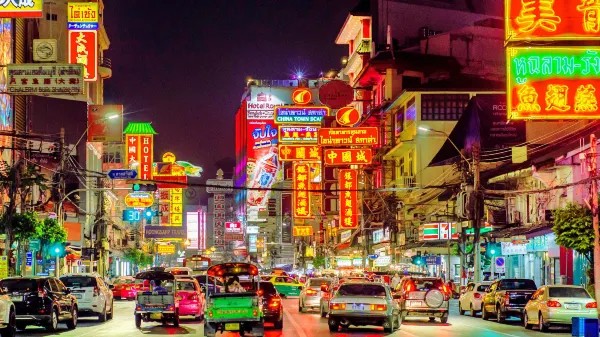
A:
[324,288]
[111,286]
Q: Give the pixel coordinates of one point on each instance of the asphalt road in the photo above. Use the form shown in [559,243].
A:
[296,325]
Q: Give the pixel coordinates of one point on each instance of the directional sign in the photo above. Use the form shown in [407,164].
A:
[122,174]
[34,245]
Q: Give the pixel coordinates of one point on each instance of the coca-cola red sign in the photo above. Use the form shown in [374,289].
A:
[336,94]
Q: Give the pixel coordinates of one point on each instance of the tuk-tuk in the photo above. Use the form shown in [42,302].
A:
[238,311]
[159,303]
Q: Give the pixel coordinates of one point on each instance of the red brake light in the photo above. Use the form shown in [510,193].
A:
[274,303]
[96,291]
[378,307]
[311,292]
[592,305]
[260,292]
[409,287]
[553,304]
[337,306]
[477,295]
[507,299]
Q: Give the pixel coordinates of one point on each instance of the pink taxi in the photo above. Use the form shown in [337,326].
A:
[125,288]
[191,298]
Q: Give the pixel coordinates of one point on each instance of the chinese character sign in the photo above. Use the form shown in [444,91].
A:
[303,230]
[219,220]
[21,8]
[299,153]
[45,79]
[146,156]
[348,199]
[132,149]
[83,49]
[552,20]
[301,190]
[349,136]
[335,157]
[553,82]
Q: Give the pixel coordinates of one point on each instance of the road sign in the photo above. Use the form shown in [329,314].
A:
[29,259]
[224,186]
[34,245]
[122,174]
[500,267]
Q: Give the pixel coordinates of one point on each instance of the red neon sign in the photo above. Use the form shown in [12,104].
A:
[299,153]
[302,96]
[335,157]
[348,199]
[301,186]
[83,49]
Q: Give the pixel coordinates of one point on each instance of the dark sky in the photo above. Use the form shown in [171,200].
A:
[182,65]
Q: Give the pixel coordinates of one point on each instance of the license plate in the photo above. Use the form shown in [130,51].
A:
[232,326]
[572,306]
[415,303]
[16,298]
[78,296]
[358,306]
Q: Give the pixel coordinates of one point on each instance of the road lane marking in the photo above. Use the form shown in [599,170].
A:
[494,331]
[295,324]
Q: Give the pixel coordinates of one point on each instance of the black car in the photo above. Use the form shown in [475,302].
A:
[272,304]
[41,301]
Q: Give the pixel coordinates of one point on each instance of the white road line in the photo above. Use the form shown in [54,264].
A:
[494,331]
[297,326]
[404,332]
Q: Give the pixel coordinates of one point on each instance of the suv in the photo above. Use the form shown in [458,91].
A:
[506,298]
[8,320]
[42,301]
[94,296]
[423,297]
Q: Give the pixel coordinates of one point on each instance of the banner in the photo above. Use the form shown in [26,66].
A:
[45,79]
[105,123]
[348,199]
[164,232]
[349,136]
[83,49]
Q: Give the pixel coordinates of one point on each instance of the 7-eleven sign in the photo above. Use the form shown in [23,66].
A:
[444,231]
[431,231]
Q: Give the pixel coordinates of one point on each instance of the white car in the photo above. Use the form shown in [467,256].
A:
[94,297]
[8,320]
[470,300]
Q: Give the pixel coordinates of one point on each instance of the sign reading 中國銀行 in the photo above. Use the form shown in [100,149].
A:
[44,79]
[21,8]
[224,186]
[82,16]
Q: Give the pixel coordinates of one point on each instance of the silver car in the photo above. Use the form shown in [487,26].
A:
[310,296]
[363,303]
[423,297]
[558,304]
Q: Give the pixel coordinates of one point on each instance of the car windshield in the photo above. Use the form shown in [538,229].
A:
[568,292]
[482,287]
[186,286]
[179,272]
[517,285]
[19,285]
[78,281]
[425,284]
[361,290]
[317,282]
[267,288]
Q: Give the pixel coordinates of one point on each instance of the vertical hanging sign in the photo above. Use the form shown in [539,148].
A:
[348,199]
[146,157]
[301,188]
[83,49]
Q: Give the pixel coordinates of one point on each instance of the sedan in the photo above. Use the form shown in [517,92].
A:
[310,296]
[470,300]
[558,304]
[125,288]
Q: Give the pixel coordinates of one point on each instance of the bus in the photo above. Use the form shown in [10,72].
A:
[197,263]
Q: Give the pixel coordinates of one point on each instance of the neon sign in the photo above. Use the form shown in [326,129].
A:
[298,134]
[349,136]
[301,186]
[348,199]
[348,157]
[299,153]
[553,82]
[300,114]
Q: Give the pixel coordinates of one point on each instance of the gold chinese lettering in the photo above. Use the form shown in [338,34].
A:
[528,99]
[556,98]
[591,13]
[346,157]
[536,14]
[585,99]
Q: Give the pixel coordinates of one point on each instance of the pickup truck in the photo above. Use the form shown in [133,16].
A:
[507,298]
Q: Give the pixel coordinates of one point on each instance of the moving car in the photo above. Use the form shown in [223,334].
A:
[125,288]
[423,297]
[558,304]
[8,316]
[363,303]
[470,300]
[272,304]
[310,296]
[94,297]
[285,285]
[507,297]
[191,298]
[41,301]
[179,271]
[159,304]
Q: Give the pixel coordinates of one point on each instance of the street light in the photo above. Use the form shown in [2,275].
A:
[493,252]
[450,140]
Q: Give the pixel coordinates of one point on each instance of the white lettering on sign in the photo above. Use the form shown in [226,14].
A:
[18,3]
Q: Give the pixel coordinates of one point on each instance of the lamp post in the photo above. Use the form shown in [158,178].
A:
[493,252]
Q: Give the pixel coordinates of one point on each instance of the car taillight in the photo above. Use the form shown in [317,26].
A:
[96,291]
[193,297]
[337,306]
[41,293]
[477,295]
[591,305]
[255,313]
[378,307]
[409,287]
[127,288]
[311,292]
[274,303]
[446,291]
[553,304]
[260,292]
[507,299]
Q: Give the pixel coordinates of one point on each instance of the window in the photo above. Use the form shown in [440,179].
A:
[52,285]
[79,281]
[19,285]
[411,163]
[515,284]
[361,290]
[401,166]
[482,288]
[443,107]
[399,121]
[570,292]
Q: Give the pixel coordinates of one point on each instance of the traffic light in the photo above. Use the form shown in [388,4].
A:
[144,187]
[493,249]
[419,260]
[57,249]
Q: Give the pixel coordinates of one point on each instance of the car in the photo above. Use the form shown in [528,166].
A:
[423,297]
[41,301]
[558,304]
[179,271]
[272,304]
[310,296]
[125,288]
[471,298]
[363,303]
[191,298]
[507,298]
[285,285]
[8,316]
[94,297]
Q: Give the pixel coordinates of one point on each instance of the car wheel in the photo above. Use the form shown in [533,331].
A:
[526,321]
[542,325]
[389,326]
[102,315]
[484,313]
[334,328]
[460,309]
[11,329]
[138,320]
[53,324]
[499,317]
[444,319]
[278,325]
[112,310]
[472,312]
[72,323]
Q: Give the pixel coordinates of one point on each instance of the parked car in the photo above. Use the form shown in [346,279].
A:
[94,297]
[285,285]
[423,297]
[558,304]
[470,300]
[125,288]
[507,298]
[191,298]
[8,316]
[363,303]
[310,296]
[41,301]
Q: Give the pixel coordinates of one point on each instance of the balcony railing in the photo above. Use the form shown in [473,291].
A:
[406,181]
[105,62]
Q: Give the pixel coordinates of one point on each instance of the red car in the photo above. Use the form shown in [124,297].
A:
[191,298]
[126,287]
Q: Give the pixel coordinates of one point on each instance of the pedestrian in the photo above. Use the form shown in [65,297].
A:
[395,281]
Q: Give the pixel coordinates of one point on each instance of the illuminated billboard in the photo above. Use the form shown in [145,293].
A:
[192,220]
[263,168]
[21,9]
[349,136]
[298,134]
[300,114]
[139,147]
[348,199]
[301,190]
[82,15]
[105,123]
[299,153]
[338,157]
[552,20]
[83,49]
[553,82]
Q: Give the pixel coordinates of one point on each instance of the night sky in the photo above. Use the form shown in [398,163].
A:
[183,64]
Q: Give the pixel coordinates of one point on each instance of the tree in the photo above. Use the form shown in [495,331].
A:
[50,231]
[318,261]
[137,258]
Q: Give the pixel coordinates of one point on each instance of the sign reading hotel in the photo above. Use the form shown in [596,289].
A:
[82,16]
[83,49]
[348,199]
[299,153]
[45,79]
[553,82]
[349,136]
[335,157]
[298,134]
[301,188]
[300,114]
[552,20]
[139,147]
[21,9]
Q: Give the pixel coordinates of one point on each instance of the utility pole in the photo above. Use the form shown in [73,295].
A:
[594,195]
[477,217]
[101,233]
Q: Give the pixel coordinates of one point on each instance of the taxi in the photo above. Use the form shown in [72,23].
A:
[125,288]
[191,298]
[285,285]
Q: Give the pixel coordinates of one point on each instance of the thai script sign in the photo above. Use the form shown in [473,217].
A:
[335,157]
[45,79]
[82,15]
[300,114]
[349,136]
[299,153]
[298,134]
